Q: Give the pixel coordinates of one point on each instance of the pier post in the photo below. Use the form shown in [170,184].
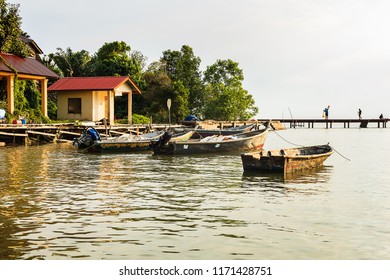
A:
[10,94]
[44,97]
[329,122]
[110,100]
[130,108]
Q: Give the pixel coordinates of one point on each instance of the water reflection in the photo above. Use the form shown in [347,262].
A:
[61,204]
[305,181]
[20,198]
[57,203]
[314,175]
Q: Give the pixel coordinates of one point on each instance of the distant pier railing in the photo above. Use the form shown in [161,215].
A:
[363,123]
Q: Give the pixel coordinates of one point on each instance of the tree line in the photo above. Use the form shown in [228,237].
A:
[215,93]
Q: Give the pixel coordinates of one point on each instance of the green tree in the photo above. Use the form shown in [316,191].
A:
[21,102]
[69,63]
[10,30]
[226,97]
[179,95]
[183,66]
[159,89]
[117,59]
[27,97]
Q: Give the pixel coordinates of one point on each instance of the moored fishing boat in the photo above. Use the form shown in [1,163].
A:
[90,141]
[286,160]
[252,140]
[201,133]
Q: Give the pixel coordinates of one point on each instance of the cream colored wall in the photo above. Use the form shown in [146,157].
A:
[94,104]
[99,102]
[123,88]
[86,105]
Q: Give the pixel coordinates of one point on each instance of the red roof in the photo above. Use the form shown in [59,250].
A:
[28,66]
[92,83]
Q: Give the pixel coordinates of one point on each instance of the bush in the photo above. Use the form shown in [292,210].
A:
[139,119]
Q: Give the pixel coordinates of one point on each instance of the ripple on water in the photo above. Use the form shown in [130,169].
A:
[61,204]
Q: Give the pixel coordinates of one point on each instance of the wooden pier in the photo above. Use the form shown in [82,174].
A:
[22,133]
[329,123]
[27,133]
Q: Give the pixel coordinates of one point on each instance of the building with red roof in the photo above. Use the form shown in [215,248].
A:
[12,66]
[92,98]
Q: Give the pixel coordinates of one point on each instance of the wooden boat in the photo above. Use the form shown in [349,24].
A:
[201,133]
[90,141]
[252,140]
[286,160]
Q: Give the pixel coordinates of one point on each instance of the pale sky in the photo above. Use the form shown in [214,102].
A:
[297,56]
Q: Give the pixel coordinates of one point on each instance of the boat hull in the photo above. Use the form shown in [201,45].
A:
[253,140]
[288,160]
[119,147]
[201,133]
[91,142]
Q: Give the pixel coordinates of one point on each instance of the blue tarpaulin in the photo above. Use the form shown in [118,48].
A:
[191,118]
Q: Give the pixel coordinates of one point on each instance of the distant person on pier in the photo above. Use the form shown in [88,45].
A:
[360,114]
[326,112]
[381,117]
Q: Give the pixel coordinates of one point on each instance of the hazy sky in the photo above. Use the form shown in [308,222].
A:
[297,56]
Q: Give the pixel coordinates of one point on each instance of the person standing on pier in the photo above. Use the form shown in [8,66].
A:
[326,112]
[360,114]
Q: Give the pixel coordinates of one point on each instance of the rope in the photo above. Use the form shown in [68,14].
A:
[287,140]
[303,145]
[340,153]
[85,149]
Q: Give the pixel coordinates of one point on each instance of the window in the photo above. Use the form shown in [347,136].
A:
[74,105]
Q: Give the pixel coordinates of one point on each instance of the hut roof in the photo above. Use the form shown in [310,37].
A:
[27,66]
[92,83]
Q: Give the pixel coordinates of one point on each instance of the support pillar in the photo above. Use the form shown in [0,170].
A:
[10,94]
[44,97]
[110,100]
[130,108]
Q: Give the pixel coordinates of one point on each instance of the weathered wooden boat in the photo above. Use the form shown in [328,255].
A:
[286,160]
[252,140]
[201,133]
[90,141]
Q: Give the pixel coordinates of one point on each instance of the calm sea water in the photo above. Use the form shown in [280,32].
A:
[57,203]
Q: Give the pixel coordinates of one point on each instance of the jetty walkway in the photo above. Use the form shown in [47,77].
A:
[66,132]
[25,133]
[329,123]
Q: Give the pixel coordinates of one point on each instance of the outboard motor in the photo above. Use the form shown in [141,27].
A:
[93,133]
[166,137]
[88,137]
[163,140]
